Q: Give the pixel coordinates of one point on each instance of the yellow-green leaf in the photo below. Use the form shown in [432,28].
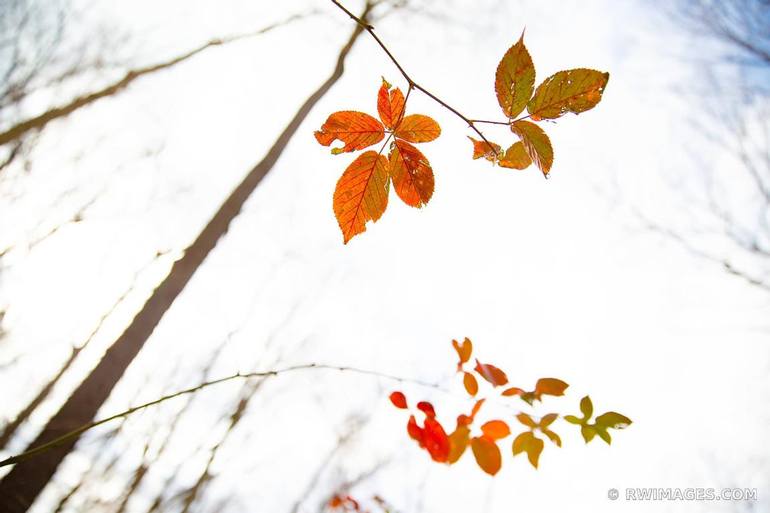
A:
[537,144]
[575,90]
[515,79]
[515,157]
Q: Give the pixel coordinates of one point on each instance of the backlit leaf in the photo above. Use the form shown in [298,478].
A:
[575,90]
[547,420]
[356,129]
[463,349]
[588,432]
[483,149]
[536,143]
[572,419]
[613,420]
[529,443]
[415,431]
[390,104]
[435,440]
[418,128]
[586,407]
[426,408]
[487,454]
[513,391]
[470,383]
[552,436]
[515,79]
[550,386]
[411,173]
[458,442]
[495,429]
[491,373]
[526,420]
[398,399]
[515,157]
[361,194]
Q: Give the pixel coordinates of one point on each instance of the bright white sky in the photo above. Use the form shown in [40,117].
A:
[549,278]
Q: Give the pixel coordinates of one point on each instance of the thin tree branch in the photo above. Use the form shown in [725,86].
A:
[38,122]
[412,84]
[261,374]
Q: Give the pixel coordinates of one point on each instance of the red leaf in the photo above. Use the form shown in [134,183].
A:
[398,399]
[435,440]
[426,408]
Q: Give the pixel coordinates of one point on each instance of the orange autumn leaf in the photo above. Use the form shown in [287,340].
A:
[487,454]
[491,373]
[515,79]
[574,90]
[550,386]
[411,174]
[470,384]
[390,105]
[463,349]
[495,429]
[356,129]
[399,400]
[536,143]
[418,128]
[361,194]
[484,149]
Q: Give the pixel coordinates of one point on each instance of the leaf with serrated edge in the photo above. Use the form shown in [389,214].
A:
[574,90]
[515,79]
[537,144]
[515,157]
[390,104]
[411,173]
[357,130]
[418,128]
[361,194]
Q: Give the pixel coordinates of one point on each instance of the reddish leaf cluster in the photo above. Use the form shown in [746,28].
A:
[448,448]
[575,90]
[362,191]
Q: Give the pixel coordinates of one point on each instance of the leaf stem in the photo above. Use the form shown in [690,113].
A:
[412,83]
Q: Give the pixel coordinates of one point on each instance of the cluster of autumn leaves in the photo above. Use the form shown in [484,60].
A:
[361,194]
[362,191]
[447,448]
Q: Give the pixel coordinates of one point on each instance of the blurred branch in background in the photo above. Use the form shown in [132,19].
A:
[732,113]
[14,128]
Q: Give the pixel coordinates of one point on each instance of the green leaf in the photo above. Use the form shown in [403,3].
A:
[515,79]
[575,90]
[572,419]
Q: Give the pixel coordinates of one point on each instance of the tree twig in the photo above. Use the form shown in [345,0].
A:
[261,374]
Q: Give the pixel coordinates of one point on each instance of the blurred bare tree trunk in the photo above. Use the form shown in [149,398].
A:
[25,481]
